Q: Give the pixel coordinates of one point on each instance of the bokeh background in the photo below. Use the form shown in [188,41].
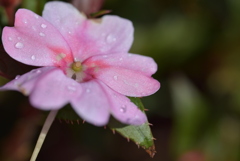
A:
[195,114]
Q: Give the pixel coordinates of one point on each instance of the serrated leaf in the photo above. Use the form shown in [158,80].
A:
[141,135]
[67,113]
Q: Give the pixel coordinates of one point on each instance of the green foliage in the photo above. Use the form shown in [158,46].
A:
[141,135]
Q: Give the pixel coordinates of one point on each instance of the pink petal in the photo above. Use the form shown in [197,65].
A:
[34,41]
[123,109]
[138,63]
[126,82]
[54,90]
[26,82]
[111,34]
[93,105]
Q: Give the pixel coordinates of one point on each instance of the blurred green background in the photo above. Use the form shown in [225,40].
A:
[195,114]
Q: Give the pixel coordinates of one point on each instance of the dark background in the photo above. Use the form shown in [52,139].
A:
[195,114]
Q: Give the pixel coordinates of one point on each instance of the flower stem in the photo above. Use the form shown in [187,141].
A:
[42,136]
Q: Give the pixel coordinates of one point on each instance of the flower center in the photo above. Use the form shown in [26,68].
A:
[76,66]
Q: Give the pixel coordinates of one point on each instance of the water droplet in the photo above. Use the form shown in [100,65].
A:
[110,38]
[9,38]
[18,76]
[69,32]
[123,109]
[115,77]
[76,59]
[38,71]
[41,34]
[121,59]
[71,88]
[43,26]
[25,21]
[19,45]
[33,57]
[36,16]
[88,90]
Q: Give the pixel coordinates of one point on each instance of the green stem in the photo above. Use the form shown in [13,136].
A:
[42,136]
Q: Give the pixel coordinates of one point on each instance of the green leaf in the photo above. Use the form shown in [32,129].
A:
[67,113]
[141,135]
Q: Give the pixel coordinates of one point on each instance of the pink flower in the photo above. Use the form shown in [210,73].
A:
[83,62]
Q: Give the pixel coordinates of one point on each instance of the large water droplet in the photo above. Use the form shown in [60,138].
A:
[115,77]
[19,45]
[110,38]
[123,109]
[33,57]
[43,26]
[41,34]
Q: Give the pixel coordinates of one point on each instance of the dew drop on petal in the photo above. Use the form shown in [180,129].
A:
[38,71]
[110,39]
[25,21]
[19,45]
[33,57]
[41,34]
[121,59]
[115,77]
[36,16]
[71,88]
[43,26]
[9,38]
[123,109]
[18,76]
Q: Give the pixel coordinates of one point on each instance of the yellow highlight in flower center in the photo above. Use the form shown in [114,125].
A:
[77,66]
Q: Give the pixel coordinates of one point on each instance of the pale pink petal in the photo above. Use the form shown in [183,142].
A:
[93,105]
[142,64]
[126,82]
[123,109]
[108,35]
[26,83]
[54,90]
[34,41]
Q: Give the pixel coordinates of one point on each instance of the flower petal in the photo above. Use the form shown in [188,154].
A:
[26,82]
[142,64]
[34,41]
[54,90]
[123,109]
[93,105]
[111,34]
[127,82]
